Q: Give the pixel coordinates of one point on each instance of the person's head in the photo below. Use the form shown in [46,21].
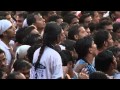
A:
[20,35]
[116,28]
[116,52]
[85,19]
[56,18]
[93,27]
[7,30]
[69,45]
[85,47]
[114,15]
[67,59]
[32,39]
[15,75]
[52,36]
[31,51]
[103,39]
[95,16]
[23,67]
[76,32]
[21,52]
[71,19]
[65,27]
[39,21]
[47,14]
[20,18]
[31,30]
[3,62]
[106,25]
[105,61]
[98,75]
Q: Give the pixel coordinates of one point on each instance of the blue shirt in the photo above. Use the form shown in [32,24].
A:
[90,67]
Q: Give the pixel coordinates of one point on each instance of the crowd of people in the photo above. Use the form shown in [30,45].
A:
[59,44]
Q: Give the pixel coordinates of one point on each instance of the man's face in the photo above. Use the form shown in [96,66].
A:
[2,60]
[19,21]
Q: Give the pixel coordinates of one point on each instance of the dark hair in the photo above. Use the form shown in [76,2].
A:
[68,18]
[93,27]
[23,15]
[30,19]
[51,33]
[100,37]
[54,18]
[114,50]
[98,75]
[31,51]
[83,17]
[28,30]
[13,75]
[66,57]
[103,60]
[69,44]
[116,26]
[73,30]
[21,65]
[104,23]
[82,46]
[20,35]
[64,25]
[32,39]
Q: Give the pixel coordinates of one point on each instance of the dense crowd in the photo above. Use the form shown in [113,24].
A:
[59,44]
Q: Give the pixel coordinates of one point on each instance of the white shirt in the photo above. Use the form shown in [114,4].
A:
[51,65]
[6,49]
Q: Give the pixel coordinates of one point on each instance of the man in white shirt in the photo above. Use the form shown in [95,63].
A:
[7,32]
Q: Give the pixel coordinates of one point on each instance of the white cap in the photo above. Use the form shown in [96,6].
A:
[4,25]
[22,51]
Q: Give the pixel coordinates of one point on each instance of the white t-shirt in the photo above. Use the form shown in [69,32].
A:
[6,49]
[50,65]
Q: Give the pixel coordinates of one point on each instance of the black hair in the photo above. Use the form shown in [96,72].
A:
[69,44]
[64,25]
[23,15]
[116,26]
[114,50]
[93,27]
[73,30]
[100,37]
[66,57]
[68,18]
[82,46]
[103,60]
[20,35]
[83,17]
[31,51]
[32,39]
[51,33]
[98,75]
[13,75]
[54,18]
[104,23]
[21,64]
[30,19]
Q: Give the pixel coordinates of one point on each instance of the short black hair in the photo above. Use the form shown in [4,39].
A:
[1,51]
[98,75]
[100,37]
[116,26]
[21,65]
[82,46]
[103,60]
[13,75]
[66,57]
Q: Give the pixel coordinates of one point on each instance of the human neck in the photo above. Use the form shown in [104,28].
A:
[6,41]
[89,58]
